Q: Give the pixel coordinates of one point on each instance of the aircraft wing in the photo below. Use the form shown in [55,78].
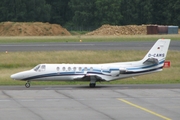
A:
[86,77]
[151,61]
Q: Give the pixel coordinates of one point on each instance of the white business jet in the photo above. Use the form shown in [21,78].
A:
[152,62]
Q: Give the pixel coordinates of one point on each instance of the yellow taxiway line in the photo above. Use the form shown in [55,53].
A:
[144,109]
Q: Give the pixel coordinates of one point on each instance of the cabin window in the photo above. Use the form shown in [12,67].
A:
[64,69]
[74,68]
[91,69]
[57,68]
[69,68]
[80,68]
[85,69]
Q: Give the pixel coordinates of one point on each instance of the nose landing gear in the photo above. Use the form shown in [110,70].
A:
[27,85]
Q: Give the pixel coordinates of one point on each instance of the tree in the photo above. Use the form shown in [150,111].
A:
[20,10]
[175,13]
[83,12]
[3,11]
[24,10]
[160,12]
[39,10]
[60,11]
[130,11]
[144,12]
[108,12]
[92,13]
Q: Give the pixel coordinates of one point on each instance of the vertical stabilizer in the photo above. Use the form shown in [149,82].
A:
[158,52]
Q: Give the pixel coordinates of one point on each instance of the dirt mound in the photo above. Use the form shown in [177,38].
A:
[31,29]
[120,30]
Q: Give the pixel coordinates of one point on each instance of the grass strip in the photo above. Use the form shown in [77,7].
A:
[84,38]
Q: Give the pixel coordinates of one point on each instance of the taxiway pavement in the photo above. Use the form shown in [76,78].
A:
[106,102]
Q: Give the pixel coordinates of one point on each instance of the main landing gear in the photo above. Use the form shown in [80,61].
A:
[92,82]
[92,85]
[27,85]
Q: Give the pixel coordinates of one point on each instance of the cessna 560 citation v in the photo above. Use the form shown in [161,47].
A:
[152,62]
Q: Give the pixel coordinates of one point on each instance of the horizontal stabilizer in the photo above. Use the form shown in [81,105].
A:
[151,61]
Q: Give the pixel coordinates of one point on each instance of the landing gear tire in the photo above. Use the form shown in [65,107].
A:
[92,85]
[27,85]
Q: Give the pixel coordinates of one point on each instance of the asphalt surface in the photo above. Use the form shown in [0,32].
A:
[98,87]
[175,45]
[106,102]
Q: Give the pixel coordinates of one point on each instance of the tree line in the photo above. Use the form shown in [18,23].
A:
[92,13]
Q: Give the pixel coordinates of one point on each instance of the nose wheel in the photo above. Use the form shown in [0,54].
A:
[27,85]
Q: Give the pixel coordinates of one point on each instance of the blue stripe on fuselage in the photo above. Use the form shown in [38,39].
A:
[137,68]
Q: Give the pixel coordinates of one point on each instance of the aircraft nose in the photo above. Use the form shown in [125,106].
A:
[20,75]
[15,76]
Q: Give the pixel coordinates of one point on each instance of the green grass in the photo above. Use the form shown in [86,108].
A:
[84,38]
[13,62]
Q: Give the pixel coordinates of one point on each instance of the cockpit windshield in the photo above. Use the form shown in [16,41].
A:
[36,68]
[40,68]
